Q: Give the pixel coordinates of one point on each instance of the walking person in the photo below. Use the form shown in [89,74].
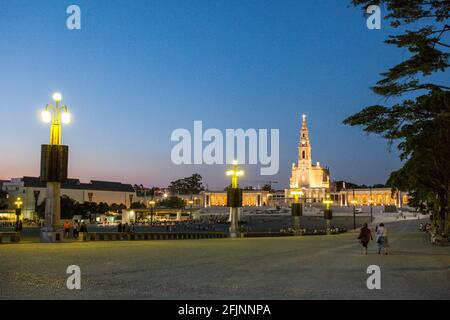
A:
[382,238]
[66,229]
[75,230]
[365,235]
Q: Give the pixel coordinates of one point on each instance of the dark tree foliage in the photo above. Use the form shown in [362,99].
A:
[172,202]
[3,200]
[71,207]
[419,118]
[189,185]
[138,205]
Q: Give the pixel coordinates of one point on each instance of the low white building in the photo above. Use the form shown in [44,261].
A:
[32,192]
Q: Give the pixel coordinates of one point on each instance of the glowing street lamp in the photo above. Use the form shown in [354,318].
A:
[234,198]
[54,167]
[152,204]
[327,201]
[56,114]
[191,202]
[234,172]
[18,204]
[296,195]
[327,212]
[371,205]
[296,211]
[354,202]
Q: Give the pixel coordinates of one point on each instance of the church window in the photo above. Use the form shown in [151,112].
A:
[303,154]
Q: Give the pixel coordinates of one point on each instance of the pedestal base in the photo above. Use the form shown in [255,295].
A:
[51,236]
[328,227]
[235,234]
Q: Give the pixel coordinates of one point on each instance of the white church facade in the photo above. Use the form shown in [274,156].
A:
[312,180]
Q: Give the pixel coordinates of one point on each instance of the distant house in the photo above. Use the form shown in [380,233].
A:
[33,192]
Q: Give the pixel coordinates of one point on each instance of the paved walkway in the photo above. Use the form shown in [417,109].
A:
[314,267]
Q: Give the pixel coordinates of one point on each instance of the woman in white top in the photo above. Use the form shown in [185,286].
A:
[381,238]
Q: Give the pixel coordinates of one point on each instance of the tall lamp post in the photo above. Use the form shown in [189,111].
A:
[328,215]
[54,161]
[18,204]
[191,202]
[296,211]
[152,204]
[234,199]
[354,202]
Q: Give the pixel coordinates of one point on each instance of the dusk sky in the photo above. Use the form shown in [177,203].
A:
[137,70]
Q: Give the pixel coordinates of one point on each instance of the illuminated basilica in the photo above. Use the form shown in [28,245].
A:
[313,180]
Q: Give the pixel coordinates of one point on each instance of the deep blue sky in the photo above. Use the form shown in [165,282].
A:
[137,70]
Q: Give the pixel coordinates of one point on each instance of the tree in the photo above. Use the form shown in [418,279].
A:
[117,207]
[172,202]
[267,187]
[3,200]
[138,205]
[68,207]
[419,118]
[189,185]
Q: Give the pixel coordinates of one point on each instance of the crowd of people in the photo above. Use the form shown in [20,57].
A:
[75,228]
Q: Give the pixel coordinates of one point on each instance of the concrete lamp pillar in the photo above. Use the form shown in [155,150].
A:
[328,214]
[234,200]
[297,212]
[54,163]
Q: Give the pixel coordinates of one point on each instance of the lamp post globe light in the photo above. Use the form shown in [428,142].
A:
[54,161]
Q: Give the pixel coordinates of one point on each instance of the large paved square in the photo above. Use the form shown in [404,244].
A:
[310,267]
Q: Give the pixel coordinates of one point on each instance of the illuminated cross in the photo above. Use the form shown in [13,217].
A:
[234,172]
[18,203]
[296,194]
[327,201]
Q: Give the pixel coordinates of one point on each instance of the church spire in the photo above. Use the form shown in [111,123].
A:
[304,148]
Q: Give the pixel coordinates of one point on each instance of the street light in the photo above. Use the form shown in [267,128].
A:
[327,213]
[56,114]
[296,211]
[296,195]
[191,202]
[54,167]
[152,204]
[234,172]
[234,198]
[18,204]
[354,202]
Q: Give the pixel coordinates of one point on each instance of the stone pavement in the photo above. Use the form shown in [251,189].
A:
[314,267]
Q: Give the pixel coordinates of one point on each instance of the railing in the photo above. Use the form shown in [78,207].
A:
[110,236]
